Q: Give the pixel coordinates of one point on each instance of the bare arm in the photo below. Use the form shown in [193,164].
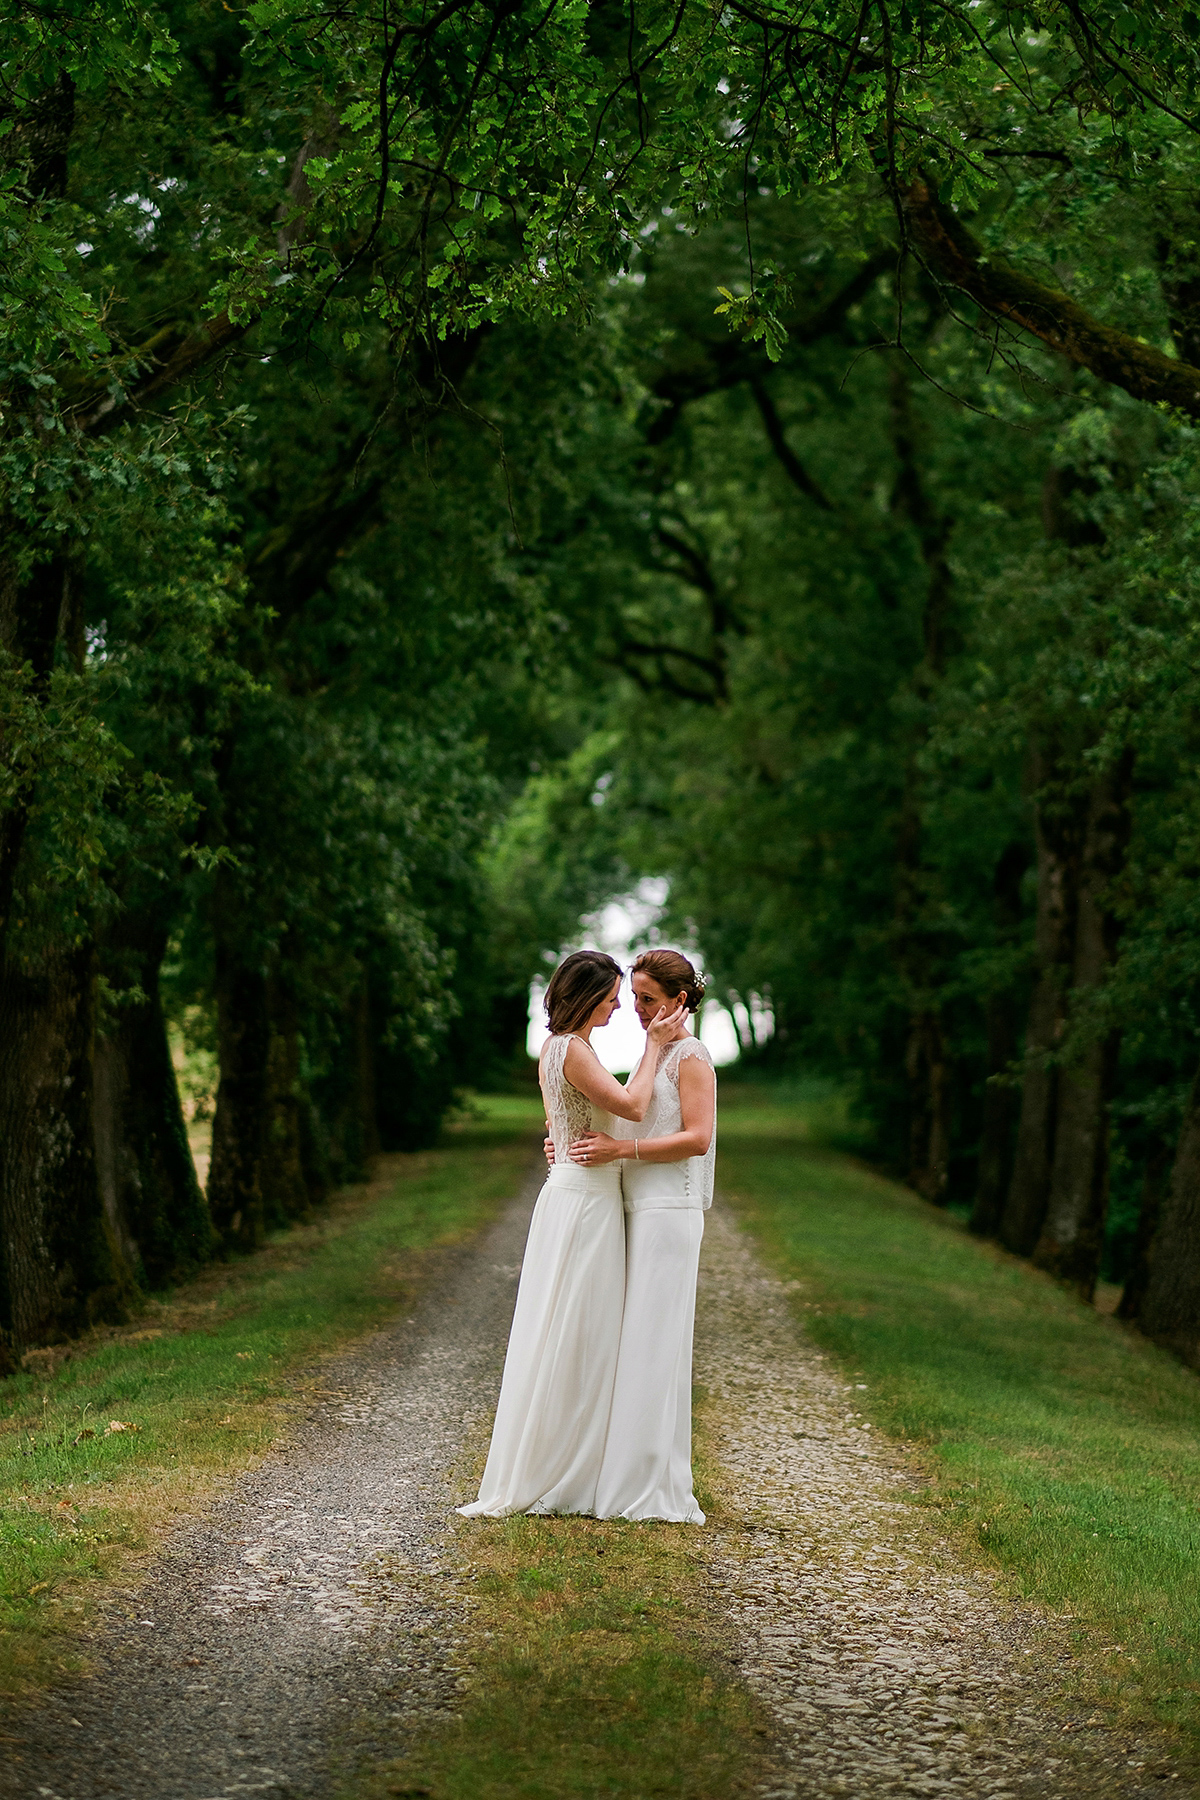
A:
[584,1070]
[698,1109]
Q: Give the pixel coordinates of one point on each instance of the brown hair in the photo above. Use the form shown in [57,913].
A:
[577,987]
[674,975]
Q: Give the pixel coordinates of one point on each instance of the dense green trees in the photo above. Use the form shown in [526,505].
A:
[399,551]
[909,725]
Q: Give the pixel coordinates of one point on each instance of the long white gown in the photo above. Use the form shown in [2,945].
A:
[552,1417]
[647,1467]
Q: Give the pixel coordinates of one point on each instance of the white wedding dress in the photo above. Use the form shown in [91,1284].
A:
[552,1416]
[647,1467]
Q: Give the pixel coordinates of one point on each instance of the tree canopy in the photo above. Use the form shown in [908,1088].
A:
[459,459]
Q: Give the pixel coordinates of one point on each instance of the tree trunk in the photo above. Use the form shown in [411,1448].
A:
[349,1099]
[928,1070]
[290,1181]
[1000,1096]
[152,1200]
[1059,834]
[1072,1236]
[927,1060]
[31,612]
[368,1098]
[1154,1187]
[1170,1308]
[61,1266]
[235,1195]
[1001,1102]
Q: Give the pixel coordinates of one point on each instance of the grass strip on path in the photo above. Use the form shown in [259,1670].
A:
[598,1671]
[98,1452]
[1063,1446]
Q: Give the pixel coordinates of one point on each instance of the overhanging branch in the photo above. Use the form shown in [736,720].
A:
[167,360]
[954,255]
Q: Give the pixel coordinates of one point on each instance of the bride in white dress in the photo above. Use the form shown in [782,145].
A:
[667,1178]
[552,1417]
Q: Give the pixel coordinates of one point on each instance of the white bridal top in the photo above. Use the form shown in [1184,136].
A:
[688,1182]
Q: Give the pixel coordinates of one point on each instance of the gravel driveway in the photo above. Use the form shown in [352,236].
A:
[313,1617]
[890,1668]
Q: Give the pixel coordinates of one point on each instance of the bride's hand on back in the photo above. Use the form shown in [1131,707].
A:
[665,1024]
[594,1148]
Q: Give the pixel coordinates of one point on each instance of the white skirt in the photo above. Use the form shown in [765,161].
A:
[552,1416]
[647,1467]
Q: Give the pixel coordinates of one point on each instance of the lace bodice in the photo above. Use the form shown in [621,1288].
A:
[692,1174]
[569,1112]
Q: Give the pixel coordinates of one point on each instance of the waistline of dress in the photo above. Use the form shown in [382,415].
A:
[604,1180]
[668,1202]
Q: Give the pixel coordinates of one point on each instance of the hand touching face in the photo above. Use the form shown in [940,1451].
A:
[651,1002]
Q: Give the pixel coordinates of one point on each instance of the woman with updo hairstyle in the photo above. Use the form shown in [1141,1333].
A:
[667,1183]
[553,1413]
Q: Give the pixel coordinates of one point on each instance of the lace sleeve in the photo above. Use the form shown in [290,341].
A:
[680,1052]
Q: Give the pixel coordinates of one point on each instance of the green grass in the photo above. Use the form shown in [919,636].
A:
[1061,1445]
[598,1671]
[209,1378]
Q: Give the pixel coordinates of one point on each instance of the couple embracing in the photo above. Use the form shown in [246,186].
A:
[595,1411]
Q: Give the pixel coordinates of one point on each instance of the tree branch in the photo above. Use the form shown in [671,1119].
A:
[729,361]
[695,567]
[793,467]
[956,256]
[178,352]
[172,356]
[631,647]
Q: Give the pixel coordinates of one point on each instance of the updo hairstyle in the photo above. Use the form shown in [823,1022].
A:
[577,987]
[674,975]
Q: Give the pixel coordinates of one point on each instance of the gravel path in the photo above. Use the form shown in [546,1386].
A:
[889,1668]
[313,1618]
[308,1620]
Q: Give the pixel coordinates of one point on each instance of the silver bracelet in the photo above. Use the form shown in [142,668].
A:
[637,1155]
